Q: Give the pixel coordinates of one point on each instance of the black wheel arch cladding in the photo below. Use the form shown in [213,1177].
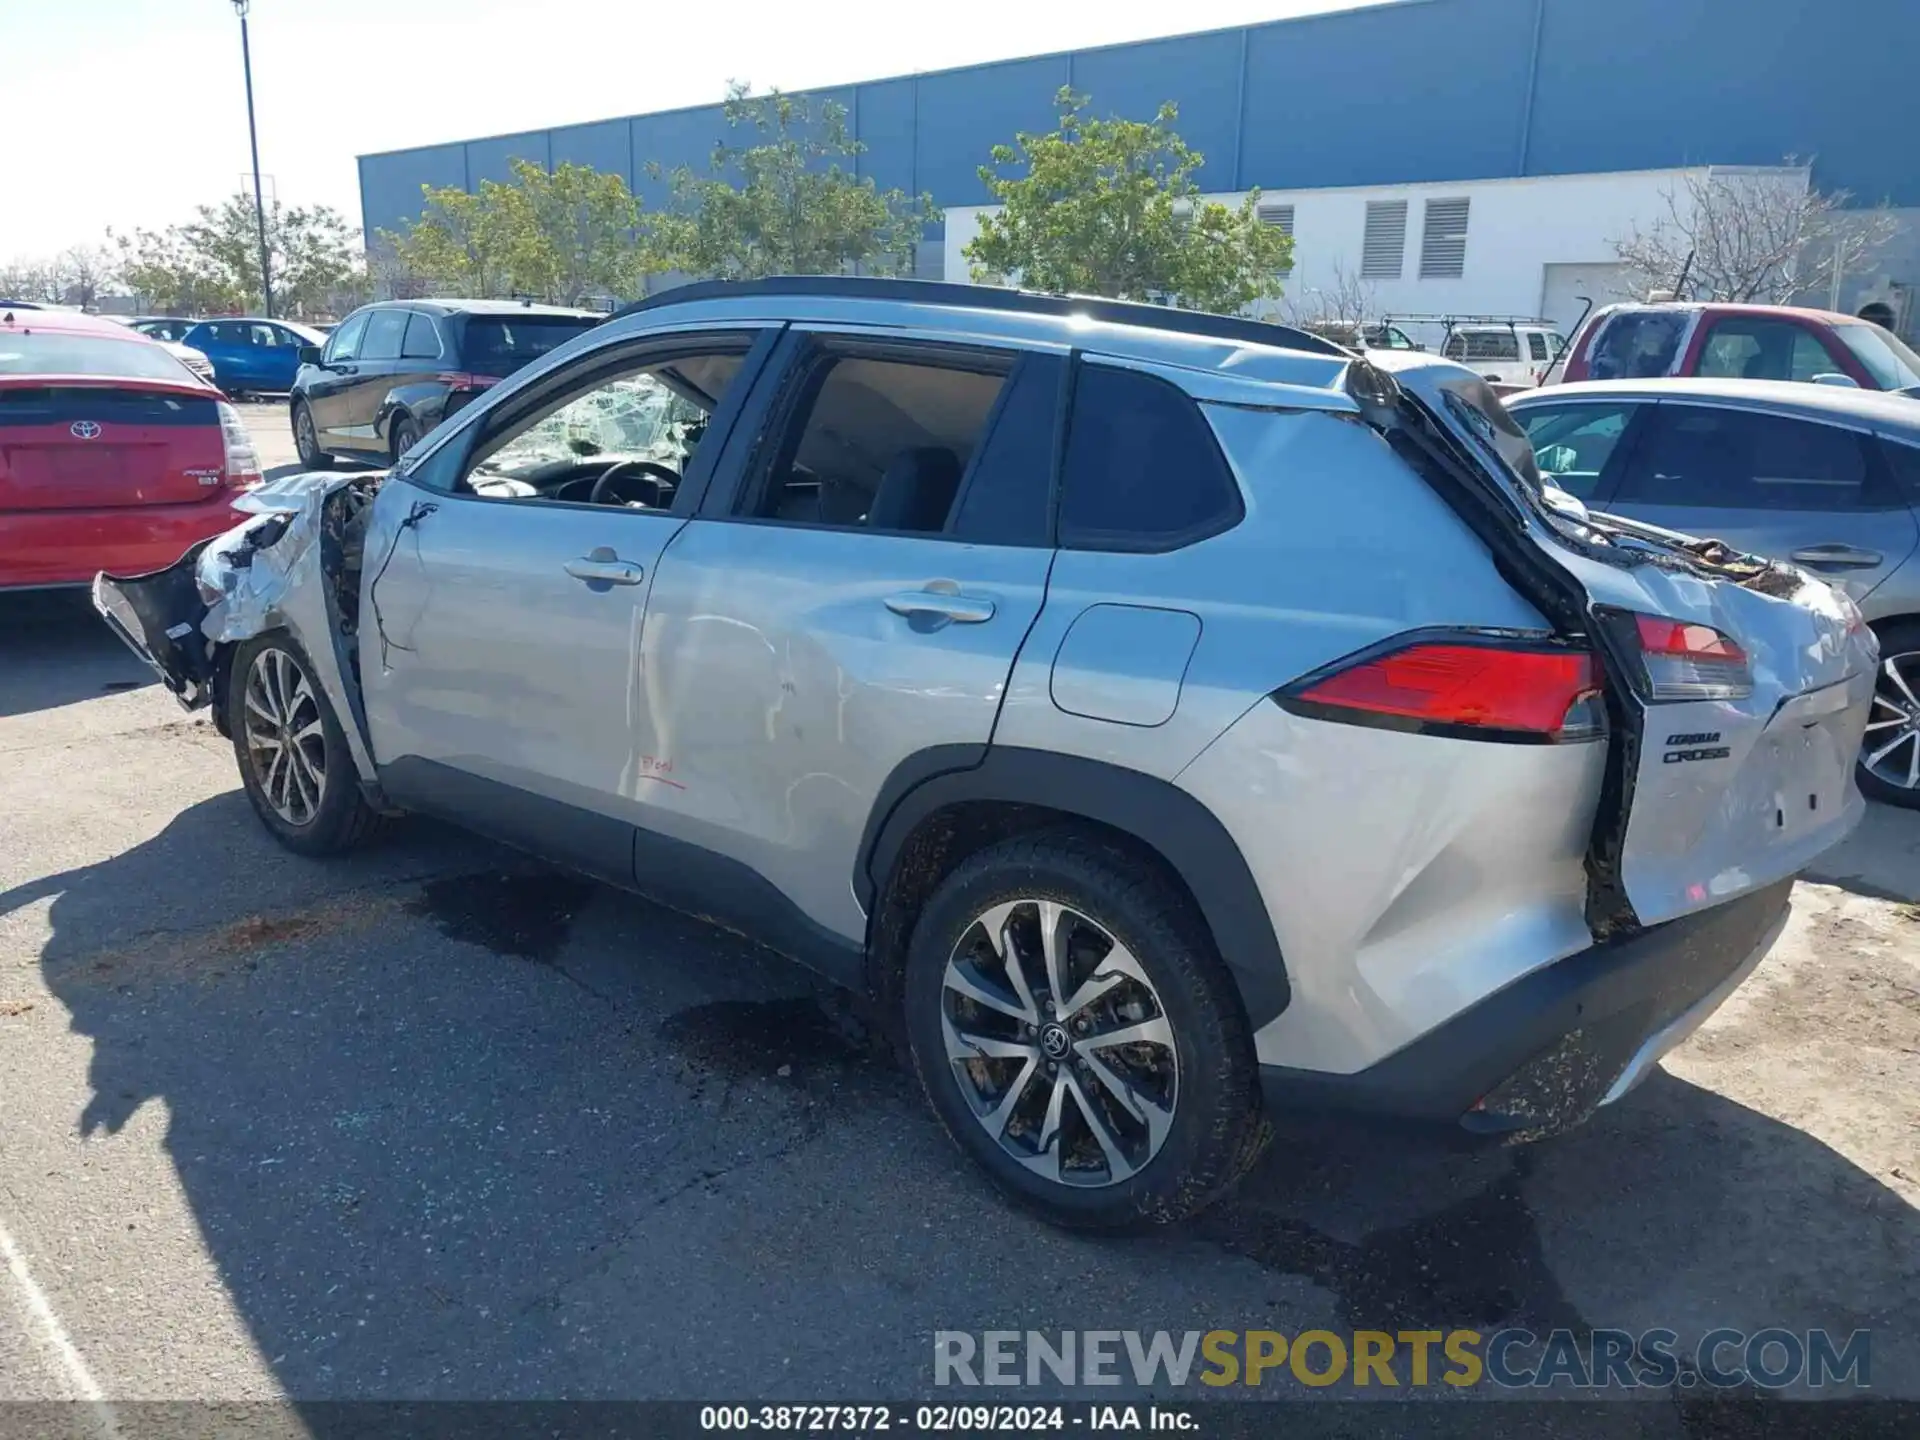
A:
[1157,815]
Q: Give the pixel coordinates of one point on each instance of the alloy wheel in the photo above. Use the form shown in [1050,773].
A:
[304,439]
[286,741]
[1891,749]
[1059,1043]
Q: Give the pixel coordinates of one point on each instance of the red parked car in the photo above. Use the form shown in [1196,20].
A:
[113,455]
[1751,342]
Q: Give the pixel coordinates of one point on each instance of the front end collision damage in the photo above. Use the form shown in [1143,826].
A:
[294,565]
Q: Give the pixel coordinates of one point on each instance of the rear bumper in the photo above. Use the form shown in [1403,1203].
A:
[1541,1055]
[41,549]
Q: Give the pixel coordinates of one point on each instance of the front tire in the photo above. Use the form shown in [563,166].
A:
[1889,769]
[306,440]
[294,762]
[1078,1035]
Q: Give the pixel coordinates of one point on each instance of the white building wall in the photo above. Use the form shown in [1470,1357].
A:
[1515,230]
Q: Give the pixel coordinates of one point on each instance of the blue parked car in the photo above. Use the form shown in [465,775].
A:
[252,355]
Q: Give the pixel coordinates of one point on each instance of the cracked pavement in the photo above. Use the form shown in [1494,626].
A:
[434,1122]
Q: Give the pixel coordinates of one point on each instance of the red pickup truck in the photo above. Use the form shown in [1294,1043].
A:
[1753,342]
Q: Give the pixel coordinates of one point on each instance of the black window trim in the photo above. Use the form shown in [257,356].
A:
[443,469]
[807,348]
[1143,545]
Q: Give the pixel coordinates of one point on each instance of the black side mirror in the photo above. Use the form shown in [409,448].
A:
[308,354]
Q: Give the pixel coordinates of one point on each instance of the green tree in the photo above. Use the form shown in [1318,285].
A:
[1110,207]
[212,262]
[170,275]
[783,204]
[564,236]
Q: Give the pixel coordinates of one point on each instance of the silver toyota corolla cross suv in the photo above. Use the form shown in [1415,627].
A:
[1164,721]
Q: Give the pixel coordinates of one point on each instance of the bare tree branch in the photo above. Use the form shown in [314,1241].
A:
[1347,300]
[1752,235]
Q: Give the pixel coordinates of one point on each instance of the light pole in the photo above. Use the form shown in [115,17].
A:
[240,8]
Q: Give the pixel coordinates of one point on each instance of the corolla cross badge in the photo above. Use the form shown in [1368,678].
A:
[85,430]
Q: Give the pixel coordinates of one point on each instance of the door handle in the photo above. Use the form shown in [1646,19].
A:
[603,567]
[1837,557]
[945,604]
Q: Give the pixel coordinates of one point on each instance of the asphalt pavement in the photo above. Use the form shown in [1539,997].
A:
[436,1122]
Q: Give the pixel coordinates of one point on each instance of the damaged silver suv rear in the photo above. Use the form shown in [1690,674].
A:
[1162,719]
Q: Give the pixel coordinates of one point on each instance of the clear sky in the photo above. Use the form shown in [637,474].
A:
[131,112]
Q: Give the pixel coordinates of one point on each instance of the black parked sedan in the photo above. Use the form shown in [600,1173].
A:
[390,372]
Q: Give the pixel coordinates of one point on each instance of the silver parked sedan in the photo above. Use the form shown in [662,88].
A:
[1825,477]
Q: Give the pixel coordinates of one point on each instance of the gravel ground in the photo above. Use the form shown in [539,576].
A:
[434,1123]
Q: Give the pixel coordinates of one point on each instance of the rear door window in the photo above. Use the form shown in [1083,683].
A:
[384,331]
[1007,496]
[1711,458]
[1537,346]
[1756,348]
[422,342]
[880,443]
[1143,470]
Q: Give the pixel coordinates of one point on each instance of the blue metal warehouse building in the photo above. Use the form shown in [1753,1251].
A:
[1406,92]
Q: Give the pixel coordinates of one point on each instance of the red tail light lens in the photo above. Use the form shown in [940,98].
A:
[1491,691]
[462,380]
[1683,660]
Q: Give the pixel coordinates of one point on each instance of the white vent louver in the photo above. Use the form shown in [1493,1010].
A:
[1443,242]
[1383,252]
[1281,218]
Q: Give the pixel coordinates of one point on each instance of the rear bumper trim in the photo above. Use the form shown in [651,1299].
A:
[1541,1055]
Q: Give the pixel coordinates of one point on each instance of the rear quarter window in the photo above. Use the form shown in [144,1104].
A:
[1143,470]
[501,344]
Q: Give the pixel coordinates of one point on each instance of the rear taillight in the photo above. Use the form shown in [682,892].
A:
[463,380]
[1684,660]
[243,461]
[1468,686]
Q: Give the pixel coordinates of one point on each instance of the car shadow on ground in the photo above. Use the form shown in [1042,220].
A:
[455,1126]
[1880,859]
[55,651]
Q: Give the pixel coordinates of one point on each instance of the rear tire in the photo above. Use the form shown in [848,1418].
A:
[294,762]
[1116,1137]
[405,435]
[306,440]
[1896,713]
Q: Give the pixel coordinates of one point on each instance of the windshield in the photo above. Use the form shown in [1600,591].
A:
[1892,365]
[52,352]
[501,344]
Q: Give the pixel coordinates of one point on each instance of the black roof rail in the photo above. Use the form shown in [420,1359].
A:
[995,297]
